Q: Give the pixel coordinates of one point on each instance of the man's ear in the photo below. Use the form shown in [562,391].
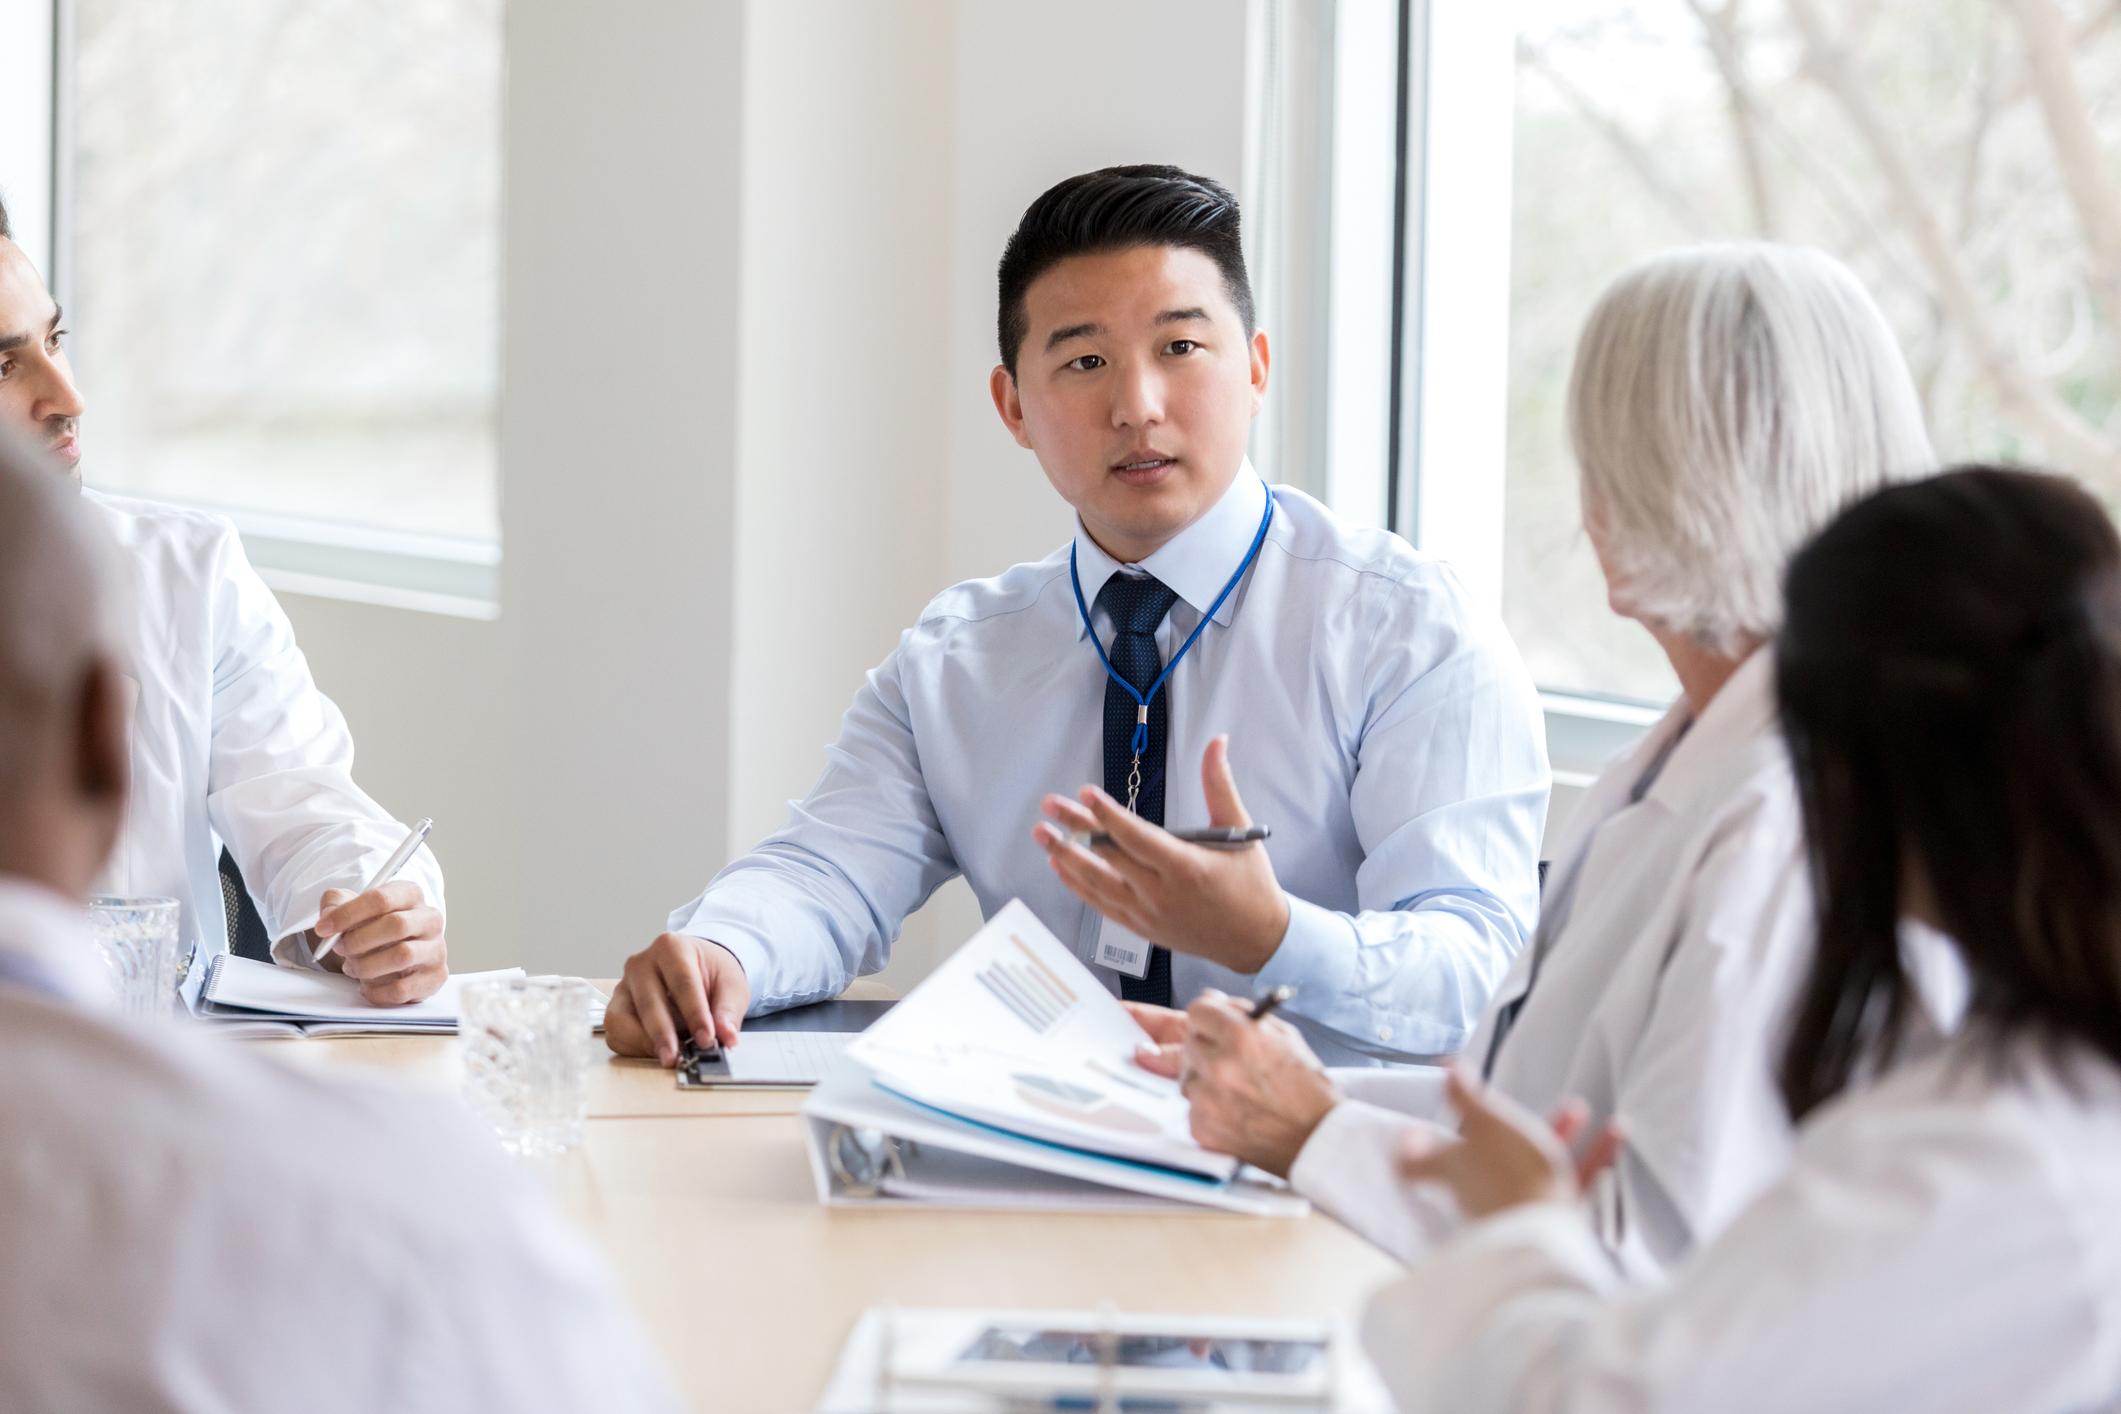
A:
[1006,402]
[1259,369]
[103,735]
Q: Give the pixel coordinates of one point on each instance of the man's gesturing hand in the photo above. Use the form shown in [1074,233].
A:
[1221,904]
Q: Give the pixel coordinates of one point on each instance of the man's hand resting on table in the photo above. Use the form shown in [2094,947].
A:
[387,939]
[679,986]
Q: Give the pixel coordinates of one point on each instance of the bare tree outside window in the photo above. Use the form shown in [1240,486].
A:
[287,256]
[1959,155]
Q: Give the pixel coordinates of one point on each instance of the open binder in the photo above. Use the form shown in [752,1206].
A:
[1006,1080]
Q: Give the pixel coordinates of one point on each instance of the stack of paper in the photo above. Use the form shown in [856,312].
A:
[256,998]
[1013,1055]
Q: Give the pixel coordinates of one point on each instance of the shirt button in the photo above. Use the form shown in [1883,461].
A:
[1384,1033]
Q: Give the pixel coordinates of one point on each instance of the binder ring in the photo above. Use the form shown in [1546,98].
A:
[862,1159]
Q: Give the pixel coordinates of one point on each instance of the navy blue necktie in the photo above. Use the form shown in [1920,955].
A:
[1137,604]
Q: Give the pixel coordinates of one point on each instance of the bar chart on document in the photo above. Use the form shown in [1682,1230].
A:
[1027,987]
[1014,1031]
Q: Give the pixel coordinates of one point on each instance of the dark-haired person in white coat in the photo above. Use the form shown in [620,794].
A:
[1945,1238]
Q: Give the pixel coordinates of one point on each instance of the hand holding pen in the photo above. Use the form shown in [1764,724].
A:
[1254,1088]
[387,937]
[1220,902]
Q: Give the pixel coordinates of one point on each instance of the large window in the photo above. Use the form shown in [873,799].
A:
[284,261]
[1959,155]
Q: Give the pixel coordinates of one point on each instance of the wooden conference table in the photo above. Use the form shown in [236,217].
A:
[702,1203]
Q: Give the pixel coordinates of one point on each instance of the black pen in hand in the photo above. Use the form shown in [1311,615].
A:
[1266,1002]
[1219,837]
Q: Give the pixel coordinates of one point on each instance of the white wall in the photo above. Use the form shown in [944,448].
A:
[574,753]
[844,306]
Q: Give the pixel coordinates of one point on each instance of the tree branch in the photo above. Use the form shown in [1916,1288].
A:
[1632,149]
[2087,30]
[2067,434]
[1727,48]
[2092,191]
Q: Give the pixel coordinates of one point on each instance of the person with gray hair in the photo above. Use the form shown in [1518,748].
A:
[190,1226]
[1727,401]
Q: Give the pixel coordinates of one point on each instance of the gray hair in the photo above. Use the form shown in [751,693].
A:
[1727,401]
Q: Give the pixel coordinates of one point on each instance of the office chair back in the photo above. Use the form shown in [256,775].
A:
[246,929]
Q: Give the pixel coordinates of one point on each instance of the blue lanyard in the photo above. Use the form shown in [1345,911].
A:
[1140,743]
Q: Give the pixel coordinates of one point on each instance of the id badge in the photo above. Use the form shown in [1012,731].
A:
[1123,950]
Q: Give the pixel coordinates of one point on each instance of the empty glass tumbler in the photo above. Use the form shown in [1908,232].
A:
[527,1046]
[139,940]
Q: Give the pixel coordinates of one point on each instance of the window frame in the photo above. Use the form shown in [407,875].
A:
[1451,276]
[1360,413]
[457,576]
[30,131]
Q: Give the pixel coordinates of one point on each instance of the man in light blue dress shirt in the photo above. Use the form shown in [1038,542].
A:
[1385,727]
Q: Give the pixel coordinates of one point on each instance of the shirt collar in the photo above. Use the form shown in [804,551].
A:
[1743,708]
[50,932]
[1195,563]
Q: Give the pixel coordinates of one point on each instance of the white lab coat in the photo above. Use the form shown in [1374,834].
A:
[1677,929]
[233,744]
[186,1223]
[1945,1240]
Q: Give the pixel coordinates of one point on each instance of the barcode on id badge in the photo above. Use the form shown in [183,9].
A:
[1124,957]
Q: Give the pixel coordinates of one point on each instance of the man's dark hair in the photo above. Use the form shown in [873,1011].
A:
[6,232]
[1118,208]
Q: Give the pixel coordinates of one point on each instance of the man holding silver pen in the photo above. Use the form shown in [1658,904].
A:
[232,743]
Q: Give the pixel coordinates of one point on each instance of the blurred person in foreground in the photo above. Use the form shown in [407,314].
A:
[189,1225]
[231,742]
[1949,681]
[1726,402]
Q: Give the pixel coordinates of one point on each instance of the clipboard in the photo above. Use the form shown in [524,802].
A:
[783,1050]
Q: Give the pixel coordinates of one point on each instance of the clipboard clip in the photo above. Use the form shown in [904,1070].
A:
[696,1063]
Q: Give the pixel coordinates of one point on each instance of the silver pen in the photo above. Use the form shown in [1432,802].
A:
[407,847]
[1214,837]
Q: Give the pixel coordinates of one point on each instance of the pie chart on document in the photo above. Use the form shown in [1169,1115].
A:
[1080,1103]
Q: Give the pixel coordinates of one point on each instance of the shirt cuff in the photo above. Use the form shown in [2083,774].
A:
[739,942]
[295,950]
[1349,1168]
[1416,1091]
[1316,956]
